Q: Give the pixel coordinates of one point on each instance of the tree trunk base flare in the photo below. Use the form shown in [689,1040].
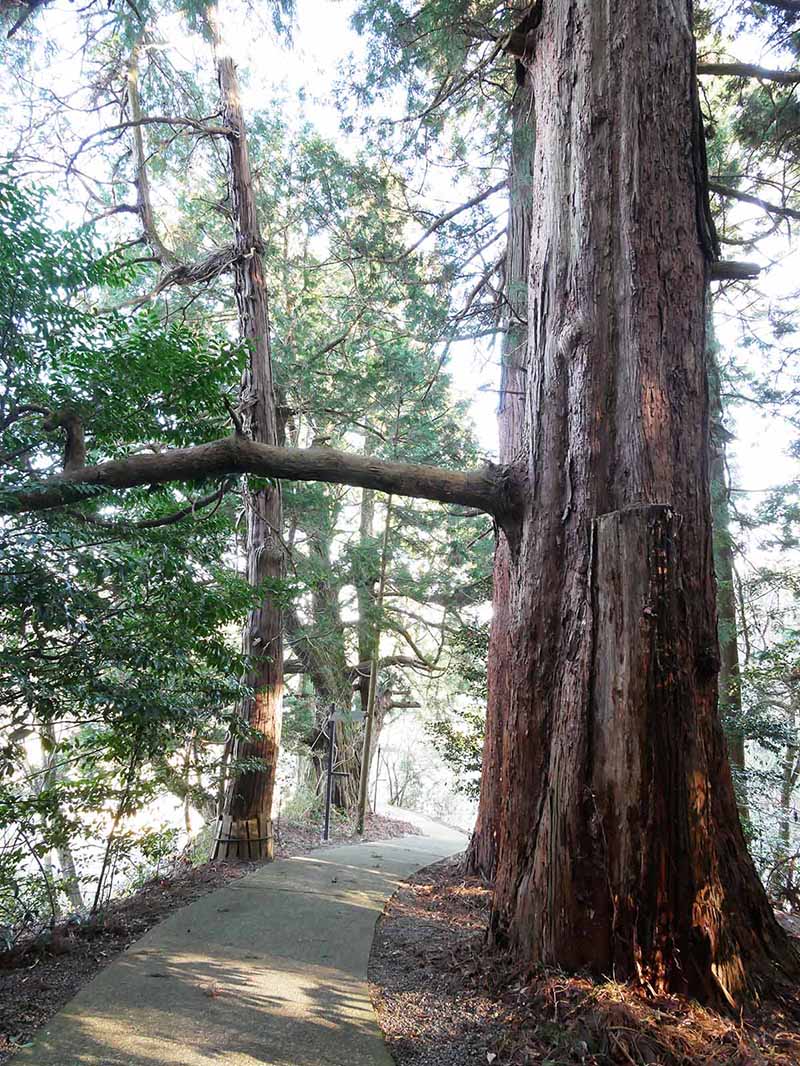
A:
[617,843]
[244,839]
[642,873]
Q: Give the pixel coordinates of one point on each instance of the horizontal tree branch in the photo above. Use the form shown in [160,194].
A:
[151,120]
[748,198]
[448,216]
[750,70]
[397,705]
[16,413]
[119,209]
[734,270]
[296,666]
[488,489]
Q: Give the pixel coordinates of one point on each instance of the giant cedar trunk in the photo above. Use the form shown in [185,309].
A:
[618,841]
[245,821]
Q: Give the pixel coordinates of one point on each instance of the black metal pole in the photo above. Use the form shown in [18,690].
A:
[331,734]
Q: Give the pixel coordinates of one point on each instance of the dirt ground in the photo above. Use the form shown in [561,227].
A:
[444,1000]
[38,977]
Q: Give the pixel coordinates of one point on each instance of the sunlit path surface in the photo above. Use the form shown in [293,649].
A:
[271,969]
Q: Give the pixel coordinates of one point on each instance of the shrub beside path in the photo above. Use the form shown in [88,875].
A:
[268,970]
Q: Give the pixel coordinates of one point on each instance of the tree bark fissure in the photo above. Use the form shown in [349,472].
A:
[245,819]
[617,843]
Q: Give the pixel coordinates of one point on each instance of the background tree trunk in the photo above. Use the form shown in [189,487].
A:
[730,681]
[619,846]
[782,882]
[245,820]
[70,882]
[482,851]
[335,688]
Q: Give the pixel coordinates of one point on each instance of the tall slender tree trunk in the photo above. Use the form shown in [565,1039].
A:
[141,179]
[370,718]
[245,820]
[69,877]
[730,681]
[618,842]
[348,736]
[782,880]
[70,882]
[482,852]
[366,580]
[336,688]
[368,637]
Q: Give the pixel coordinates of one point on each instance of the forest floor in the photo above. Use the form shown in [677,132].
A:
[442,999]
[38,976]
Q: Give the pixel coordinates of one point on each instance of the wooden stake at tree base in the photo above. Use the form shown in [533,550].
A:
[245,838]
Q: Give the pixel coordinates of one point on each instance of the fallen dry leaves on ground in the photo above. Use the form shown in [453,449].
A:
[444,1000]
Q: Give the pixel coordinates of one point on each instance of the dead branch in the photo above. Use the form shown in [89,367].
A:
[748,198]
[750,70]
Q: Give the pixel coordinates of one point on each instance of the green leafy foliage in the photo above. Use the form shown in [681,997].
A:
[114,648]
[458,734]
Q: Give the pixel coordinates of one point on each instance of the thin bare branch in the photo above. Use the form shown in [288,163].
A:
[750,70]
[443,219]
[154,523]
[734,270]
[194,125]
[748,198]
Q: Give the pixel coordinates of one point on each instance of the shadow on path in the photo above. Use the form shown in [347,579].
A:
[271,969]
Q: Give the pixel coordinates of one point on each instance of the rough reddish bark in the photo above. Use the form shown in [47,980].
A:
[245,821]
[618,843]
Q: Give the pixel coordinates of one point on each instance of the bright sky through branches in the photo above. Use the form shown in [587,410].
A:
[302,80]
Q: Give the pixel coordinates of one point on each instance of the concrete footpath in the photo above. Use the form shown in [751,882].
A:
[271,969]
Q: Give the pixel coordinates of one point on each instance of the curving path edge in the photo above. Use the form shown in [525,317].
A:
[268,970]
